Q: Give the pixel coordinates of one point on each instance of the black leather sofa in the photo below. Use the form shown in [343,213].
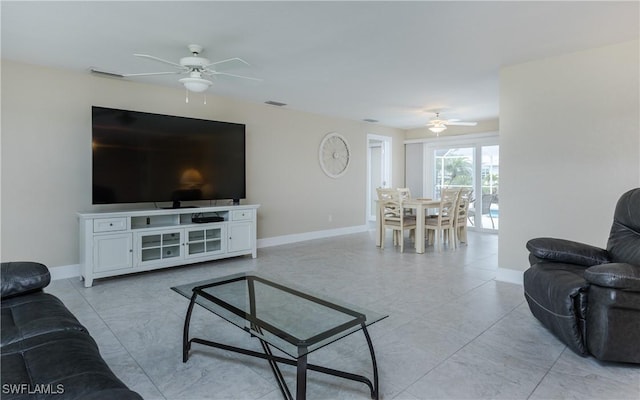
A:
[46,352]
[587,296]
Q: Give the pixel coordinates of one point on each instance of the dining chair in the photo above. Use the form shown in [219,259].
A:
[487,200]
[393,216]
[405,194]
[386,196]
[440,225]
[462,210]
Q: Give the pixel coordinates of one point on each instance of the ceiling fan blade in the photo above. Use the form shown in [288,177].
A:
[228,60]
[233,75]
[152,73]
[159,59]
[460,123]
[119,75]
[106,73]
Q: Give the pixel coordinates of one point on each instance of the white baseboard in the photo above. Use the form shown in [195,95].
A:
[73,271]
[509,276]
[301,237]
[64,272]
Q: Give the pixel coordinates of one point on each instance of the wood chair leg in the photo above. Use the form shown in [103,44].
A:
[462,234]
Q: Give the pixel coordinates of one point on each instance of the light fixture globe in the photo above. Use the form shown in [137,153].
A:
[196,84]
[438,129]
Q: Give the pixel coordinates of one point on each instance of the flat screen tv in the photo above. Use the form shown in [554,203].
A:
[144,157]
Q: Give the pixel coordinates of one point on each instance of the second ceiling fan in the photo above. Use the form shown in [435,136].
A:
[438,125]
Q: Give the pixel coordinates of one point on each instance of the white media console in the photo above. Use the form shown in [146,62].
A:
[117,243]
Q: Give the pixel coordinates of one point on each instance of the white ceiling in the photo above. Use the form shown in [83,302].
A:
[389,61]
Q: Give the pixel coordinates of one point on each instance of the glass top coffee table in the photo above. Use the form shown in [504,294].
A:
[290,319]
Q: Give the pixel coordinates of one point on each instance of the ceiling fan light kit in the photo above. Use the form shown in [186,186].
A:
[194,84]
[437,125]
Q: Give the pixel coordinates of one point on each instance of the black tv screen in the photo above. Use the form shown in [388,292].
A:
[144,157]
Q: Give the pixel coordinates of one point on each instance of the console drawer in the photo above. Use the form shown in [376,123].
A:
[241,215]
[110,224]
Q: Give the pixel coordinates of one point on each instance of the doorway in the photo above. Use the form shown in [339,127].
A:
[378,169]
[476,167]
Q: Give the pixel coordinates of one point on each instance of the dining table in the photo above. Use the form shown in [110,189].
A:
[420,207]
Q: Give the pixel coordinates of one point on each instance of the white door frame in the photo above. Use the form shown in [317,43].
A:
[385,143]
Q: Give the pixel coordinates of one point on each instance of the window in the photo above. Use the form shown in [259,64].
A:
[489,179]
[453,168]
[475,166]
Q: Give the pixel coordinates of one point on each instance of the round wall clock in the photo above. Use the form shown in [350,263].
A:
[334,155]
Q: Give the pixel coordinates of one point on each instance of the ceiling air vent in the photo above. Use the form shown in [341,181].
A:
[275,103]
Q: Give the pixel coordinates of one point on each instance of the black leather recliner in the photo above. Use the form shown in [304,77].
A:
[587,296]
[45,352]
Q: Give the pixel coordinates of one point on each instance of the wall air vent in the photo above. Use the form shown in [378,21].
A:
[275,103]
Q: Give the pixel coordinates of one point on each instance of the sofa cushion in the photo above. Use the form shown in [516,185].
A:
[64,362]
[22,277]
[557,296]
[34,315]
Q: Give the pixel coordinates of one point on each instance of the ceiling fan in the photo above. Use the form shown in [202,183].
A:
[194,66]
[437,125]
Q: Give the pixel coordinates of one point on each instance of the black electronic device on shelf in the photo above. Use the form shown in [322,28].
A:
[204,220]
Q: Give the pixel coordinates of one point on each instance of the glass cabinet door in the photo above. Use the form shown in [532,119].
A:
[205,241]
[158,246]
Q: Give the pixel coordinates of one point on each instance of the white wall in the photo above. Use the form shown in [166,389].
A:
[414,168]
[569,147]
[46,164]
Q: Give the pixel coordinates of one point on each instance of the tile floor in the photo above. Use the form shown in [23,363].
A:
[452,332]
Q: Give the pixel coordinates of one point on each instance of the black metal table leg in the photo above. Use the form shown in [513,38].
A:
[276,371]
[186,344]
[374,393]
[301,376]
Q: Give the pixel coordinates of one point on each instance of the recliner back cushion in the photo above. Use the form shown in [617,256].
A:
[624,239]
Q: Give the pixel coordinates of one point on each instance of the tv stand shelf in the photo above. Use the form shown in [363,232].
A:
[118,243]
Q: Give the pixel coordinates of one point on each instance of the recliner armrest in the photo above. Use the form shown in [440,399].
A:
[567,251]
[22,277]
[621,276]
